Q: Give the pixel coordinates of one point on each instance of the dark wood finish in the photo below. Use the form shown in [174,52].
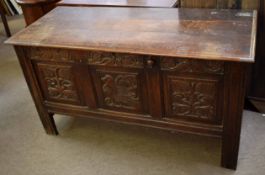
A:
[145,36]
[3,17]
[34,9]
[258,106]
[120,3]
[187,76]
[256,82]
[235,83]
[231,4]
[45,117]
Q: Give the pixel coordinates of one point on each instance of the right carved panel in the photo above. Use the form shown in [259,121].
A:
[192,98]
[193,90]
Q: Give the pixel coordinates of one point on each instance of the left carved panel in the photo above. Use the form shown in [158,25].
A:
[57,83]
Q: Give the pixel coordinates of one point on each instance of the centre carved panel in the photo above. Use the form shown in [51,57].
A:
[120,90]
[191,98]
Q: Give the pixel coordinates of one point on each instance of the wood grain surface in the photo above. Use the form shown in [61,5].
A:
[190,33]
[122,3]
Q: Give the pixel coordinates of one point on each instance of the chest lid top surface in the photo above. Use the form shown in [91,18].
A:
[127,3]
[187,33]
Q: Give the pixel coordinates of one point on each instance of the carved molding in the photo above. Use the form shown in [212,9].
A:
[49,54]
[120,90]
[59,82]
[115,59]
[192,66]
[92,58]
[192,98]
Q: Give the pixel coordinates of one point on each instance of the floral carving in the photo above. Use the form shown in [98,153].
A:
[120,90]
[195,66]
[49,54]
[89,57]
[115,59]
[193,98]
[59,82]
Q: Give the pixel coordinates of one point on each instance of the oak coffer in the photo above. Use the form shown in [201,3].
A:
[175,69]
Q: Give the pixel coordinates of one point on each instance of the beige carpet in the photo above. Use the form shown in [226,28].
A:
[90,147]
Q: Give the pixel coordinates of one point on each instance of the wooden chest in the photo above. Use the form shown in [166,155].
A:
[181,70]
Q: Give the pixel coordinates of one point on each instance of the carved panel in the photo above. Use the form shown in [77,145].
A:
[192,98]
[115,59]
[120,90]
[58,83]
[88,57]
[49,54]
[192,66]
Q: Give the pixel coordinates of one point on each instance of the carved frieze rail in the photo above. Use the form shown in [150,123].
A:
[91,58]
[192,66]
